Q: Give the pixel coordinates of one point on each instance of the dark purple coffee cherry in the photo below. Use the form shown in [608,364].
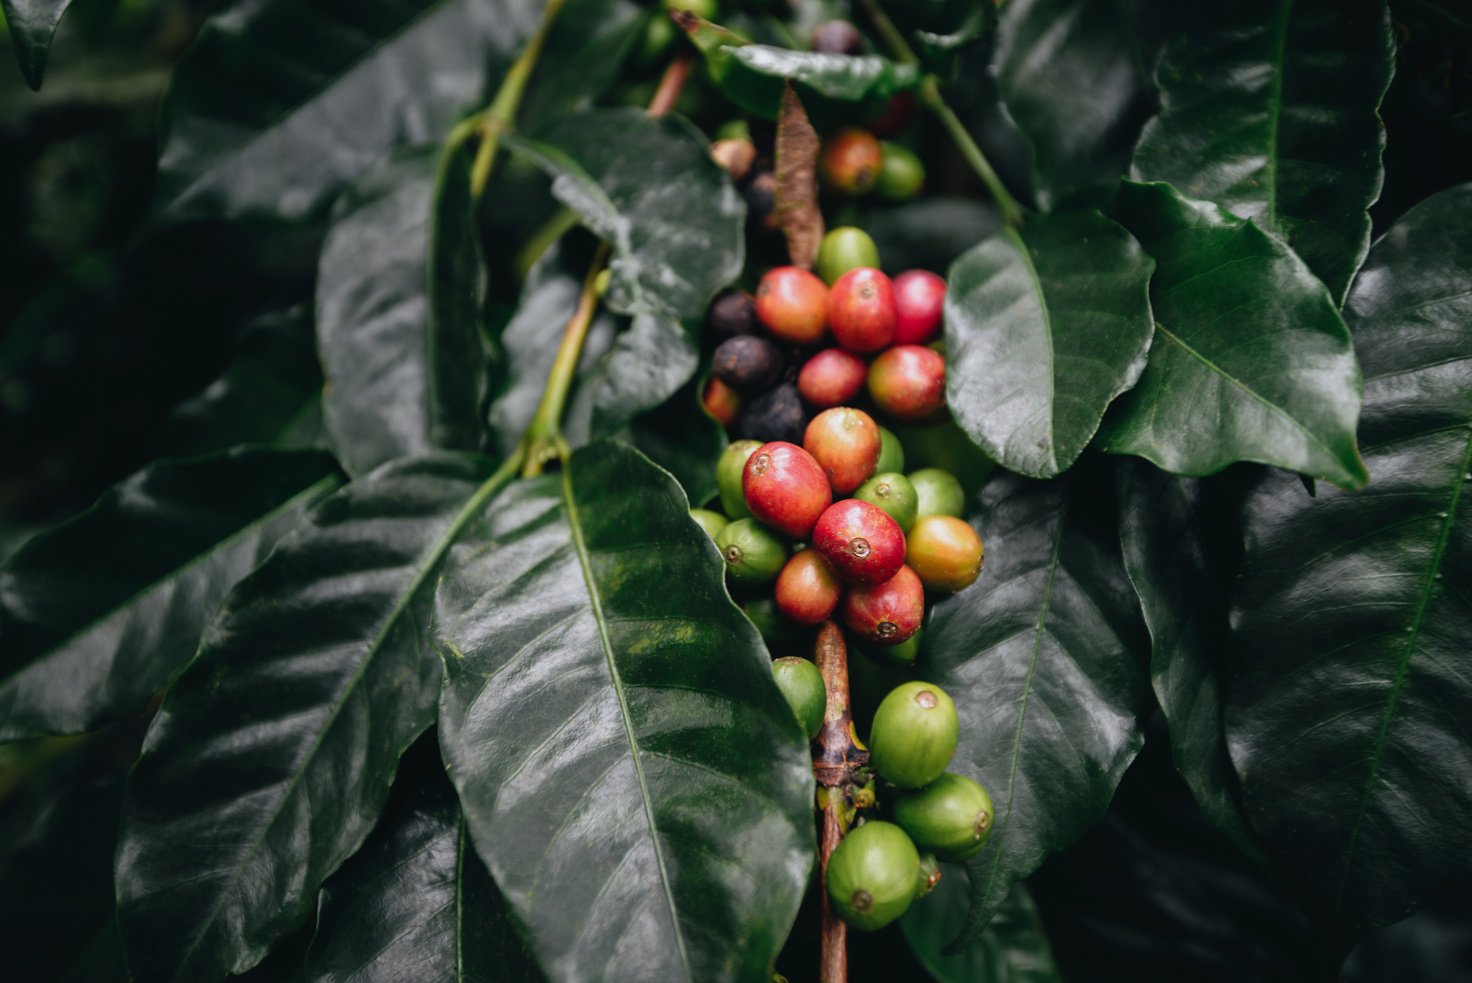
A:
[777,414]
[747,363]
[837,37]
[732,313]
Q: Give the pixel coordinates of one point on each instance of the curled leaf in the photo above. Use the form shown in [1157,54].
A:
[797,181]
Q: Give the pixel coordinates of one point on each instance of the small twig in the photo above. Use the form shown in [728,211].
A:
[672,82]
[500,116]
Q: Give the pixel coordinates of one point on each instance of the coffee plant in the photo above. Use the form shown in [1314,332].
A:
[748,490]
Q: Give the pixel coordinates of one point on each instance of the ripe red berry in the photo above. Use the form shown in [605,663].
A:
[785,488]
[721,401]
[895,116]
[919,296]
[807,590]
[851,160]
[832,377]
[793,304]
[887,613]
[845,441]
[862,311]
[909,382]
[860,541]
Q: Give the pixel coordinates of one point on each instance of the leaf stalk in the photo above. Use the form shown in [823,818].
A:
[500,115]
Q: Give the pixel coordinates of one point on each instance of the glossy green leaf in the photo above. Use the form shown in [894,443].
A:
[629,771]
[344,84]
[685,440]
[416,903]
[582,56]
[1348,700]
[1071,79]
[31,23]
[99,613]
[1041,656]
[674,222]
[399,289]
[1044,326]
[272,755]
[1013,948]
[1251,360]
[1269,110]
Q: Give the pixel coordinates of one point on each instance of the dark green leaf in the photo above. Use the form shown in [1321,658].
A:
[399,290]
[648,188]
[1012,949]
[937,49]
[1044,326]
[271,757]
[1071,79]
[100,612]
[1348,701]
[630,773]
[416,903]
[582,56]
[1040,656]
[280,103]
[1269,110]
[31,23]
[684,439]
[270,393]
[1251,360]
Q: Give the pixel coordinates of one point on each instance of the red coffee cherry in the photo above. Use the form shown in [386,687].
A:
[887,613]
[895,116]
[862,311]
[832,377]
[860,541]
[845,441]
[945,552]
[807,590]
[721,401]
[919,296]
[793,304]
[785,488]
[851,160]
[909,382]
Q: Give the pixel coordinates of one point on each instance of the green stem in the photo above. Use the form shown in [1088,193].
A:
[562,222]
[1012,212]
[500,116]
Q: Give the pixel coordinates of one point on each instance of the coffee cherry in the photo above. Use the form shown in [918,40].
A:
[802,684]
[845,248]
[732,313]
[777,414]
[919,296]
[721,401]
[760,192]
[793,304]
[952,816]
[887,613]
[753,553]
[775,630]
[861,543]
[930,874]
[711,522]
[861,310]
[736,157]
[908,382]
[901,176]
[747,363]
[945,552]
[837,37]
[913,735]
[729,468]
[891,452]
[850,161]
[895,116]
[832,377]
[872,875]
[893,493]
[937,492]
[806,590]
[904,655]
[786,488]
[845,441]
[946,445]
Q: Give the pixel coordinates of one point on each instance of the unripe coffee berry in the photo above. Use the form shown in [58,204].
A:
[729,468]
[901,175]
[807,590]
[937,492]
[930,874]
[891,452]
[952,816]
[861,310]
[861,543]
[793,304]
[721,401]
[919,299]
[845,248]
[904,655]
[913,736]
[893,493]
[873,875]
[887,613]
[832,377]
[775,630]
[845,441]
[850,161]
[802,684]
[732,313]
[837,37]
[786,488]
[945,552]
[747,363]
[909,382]
[753,553]
[776,414]
[711,522]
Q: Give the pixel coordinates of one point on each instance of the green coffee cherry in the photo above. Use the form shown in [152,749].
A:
[945,445]
[902,655]
[929,874]
[893,493]
[661,32]
[728,477]
[914,735]
[802,684]
[952,816]
[873,875]
[753,553]
[901,176]
[775,630]
[734,129]
[711,522]
[845,248]
[937,492]
[891,454]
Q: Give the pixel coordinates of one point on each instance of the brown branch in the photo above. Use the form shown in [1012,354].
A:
[671,82]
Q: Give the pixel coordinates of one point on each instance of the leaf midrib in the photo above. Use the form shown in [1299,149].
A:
[1275,107]
[1037,285]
